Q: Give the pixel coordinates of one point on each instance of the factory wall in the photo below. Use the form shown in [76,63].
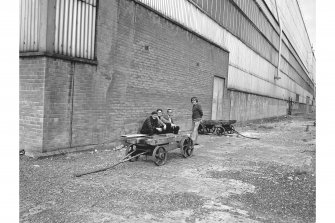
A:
[143,62]
[147,55]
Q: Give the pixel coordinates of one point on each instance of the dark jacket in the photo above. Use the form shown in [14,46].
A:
[149,126]
[196,112]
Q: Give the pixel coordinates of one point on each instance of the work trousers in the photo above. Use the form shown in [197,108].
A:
[195,126]
[170,129]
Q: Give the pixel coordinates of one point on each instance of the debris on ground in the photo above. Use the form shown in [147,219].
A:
[227,179]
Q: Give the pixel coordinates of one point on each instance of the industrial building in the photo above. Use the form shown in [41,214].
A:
[92,70]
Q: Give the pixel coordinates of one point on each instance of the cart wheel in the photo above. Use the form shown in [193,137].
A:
[211,130]
[201,129]
[219,131]
[231,130]
[130,149]
[186,147]
[160,155]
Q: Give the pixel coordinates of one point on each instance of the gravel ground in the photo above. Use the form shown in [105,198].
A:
[228,179]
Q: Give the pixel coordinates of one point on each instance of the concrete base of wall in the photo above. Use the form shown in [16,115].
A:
[40,155]
[245,106]
[299,108]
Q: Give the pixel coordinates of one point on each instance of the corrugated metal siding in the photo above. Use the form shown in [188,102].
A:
[293,27]
[248,71]
[259,19]
[284,89]
[29,25]
[246,59]
[226,15]
[293,74]
[237,23]
[75,28]
[298,69]
[272,7]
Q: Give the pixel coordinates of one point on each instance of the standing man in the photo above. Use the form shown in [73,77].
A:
[196,119]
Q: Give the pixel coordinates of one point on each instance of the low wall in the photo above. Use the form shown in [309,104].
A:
[245,106]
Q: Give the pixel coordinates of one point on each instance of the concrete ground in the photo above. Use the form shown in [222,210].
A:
[228,179]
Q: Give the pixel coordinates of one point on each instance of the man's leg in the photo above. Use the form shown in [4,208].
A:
[194,135]
[169,128]
[158,132]
[196,126]
[163,131]
[176,129]
[192,130]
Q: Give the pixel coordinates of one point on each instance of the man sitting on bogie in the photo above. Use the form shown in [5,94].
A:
[161,121]
[168,121]
[151,125]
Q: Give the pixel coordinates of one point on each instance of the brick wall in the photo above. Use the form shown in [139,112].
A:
[170,66]
[32,75]
[58,101]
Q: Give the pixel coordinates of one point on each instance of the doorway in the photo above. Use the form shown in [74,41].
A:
[217,103]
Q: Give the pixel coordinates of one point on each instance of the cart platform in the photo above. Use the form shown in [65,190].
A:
[157,146]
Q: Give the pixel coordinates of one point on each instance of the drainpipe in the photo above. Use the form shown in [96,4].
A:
[280,40]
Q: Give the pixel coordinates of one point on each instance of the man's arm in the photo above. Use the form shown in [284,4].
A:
[161,123]
[200,110]
[172,122]
[164,119]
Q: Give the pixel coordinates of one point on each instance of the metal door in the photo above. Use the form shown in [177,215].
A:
[217,104]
